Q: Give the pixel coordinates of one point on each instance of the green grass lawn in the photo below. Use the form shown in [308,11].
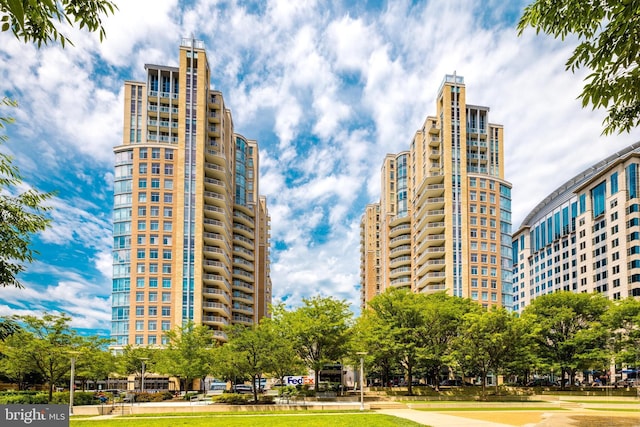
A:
[312,420]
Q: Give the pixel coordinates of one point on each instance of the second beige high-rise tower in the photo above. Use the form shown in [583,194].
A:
[443,222]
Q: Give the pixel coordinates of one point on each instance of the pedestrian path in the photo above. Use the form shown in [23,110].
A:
[435,419]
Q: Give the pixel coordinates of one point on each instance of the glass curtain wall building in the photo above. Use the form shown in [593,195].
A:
[583,237]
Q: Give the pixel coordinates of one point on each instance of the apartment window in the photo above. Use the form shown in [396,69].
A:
[473,220]
[473,232]
[474,283]
[155,168]
[154,225]
[472,195]
[166,297]
[142,168]
[153,239]
[153,296]
[166,239]
[142,153]
[155,153]
[168,154]
[139,340]
[168,169]
[141,239]
[168,197]
[168,212]
[140,254]
[166,325]
[166,254]
[153,254]
[142,197]
[154,211]
[153,282]
[155,197]
[153,268]
[139,296]
[598,195]
[474,295]
[166,281]
[483,196]
[139,311]
[140,268]
[166,311]
[472,182]
[142,225]
[166,269]
[155,182]
[142,183]
[168,184]
[140,282]
[139,325]
[152,325]
[167,226]
[153,310]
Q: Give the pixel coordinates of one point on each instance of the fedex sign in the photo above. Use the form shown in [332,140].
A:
[298,380]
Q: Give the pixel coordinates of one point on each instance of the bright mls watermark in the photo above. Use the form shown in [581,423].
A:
[34,415]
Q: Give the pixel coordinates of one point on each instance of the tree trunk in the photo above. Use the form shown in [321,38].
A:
[409,379]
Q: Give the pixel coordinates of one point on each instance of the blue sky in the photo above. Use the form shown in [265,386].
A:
[327,89]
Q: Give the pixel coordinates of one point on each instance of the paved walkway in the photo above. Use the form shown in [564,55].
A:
[435,419]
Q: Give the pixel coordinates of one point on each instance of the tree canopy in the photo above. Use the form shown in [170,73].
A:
[35,21]
[608,32]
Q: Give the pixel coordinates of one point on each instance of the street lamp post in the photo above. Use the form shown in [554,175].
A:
[142,359]
[361,354]
[72,380]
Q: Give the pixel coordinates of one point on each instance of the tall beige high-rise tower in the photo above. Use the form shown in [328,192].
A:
[191,232]
[443,222]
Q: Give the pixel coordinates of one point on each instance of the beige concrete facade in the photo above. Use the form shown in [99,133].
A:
[444,214]
[191,232]
[585,236]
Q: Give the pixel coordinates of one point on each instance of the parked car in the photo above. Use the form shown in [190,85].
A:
[541,382]
[242,389]
[454,383]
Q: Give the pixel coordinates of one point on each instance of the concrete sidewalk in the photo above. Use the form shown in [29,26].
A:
[435,419]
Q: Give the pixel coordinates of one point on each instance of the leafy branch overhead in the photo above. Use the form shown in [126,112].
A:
[609,47]
[35,20]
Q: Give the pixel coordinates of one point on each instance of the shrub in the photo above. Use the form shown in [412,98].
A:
[233,398]
[266,399]
[23,398]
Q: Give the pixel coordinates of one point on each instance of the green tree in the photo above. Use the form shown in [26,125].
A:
[8,327]
[35,21]
[568,330]
[320,331]
[623,320]
[129,362]
[50,343]
[15,360]
[399,323]
[442,318]
[374,337]
[488,341]
[608,33]
[188,354]
[21,216]
[94,361]
[282,356]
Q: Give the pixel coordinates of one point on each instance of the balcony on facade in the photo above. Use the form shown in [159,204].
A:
[217,294]
[217,308]
[242,297]
[398,261]
[431,253]
[242,308]
[214,116]
[215,321]
[431,266]
[400,272]
[238,318]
